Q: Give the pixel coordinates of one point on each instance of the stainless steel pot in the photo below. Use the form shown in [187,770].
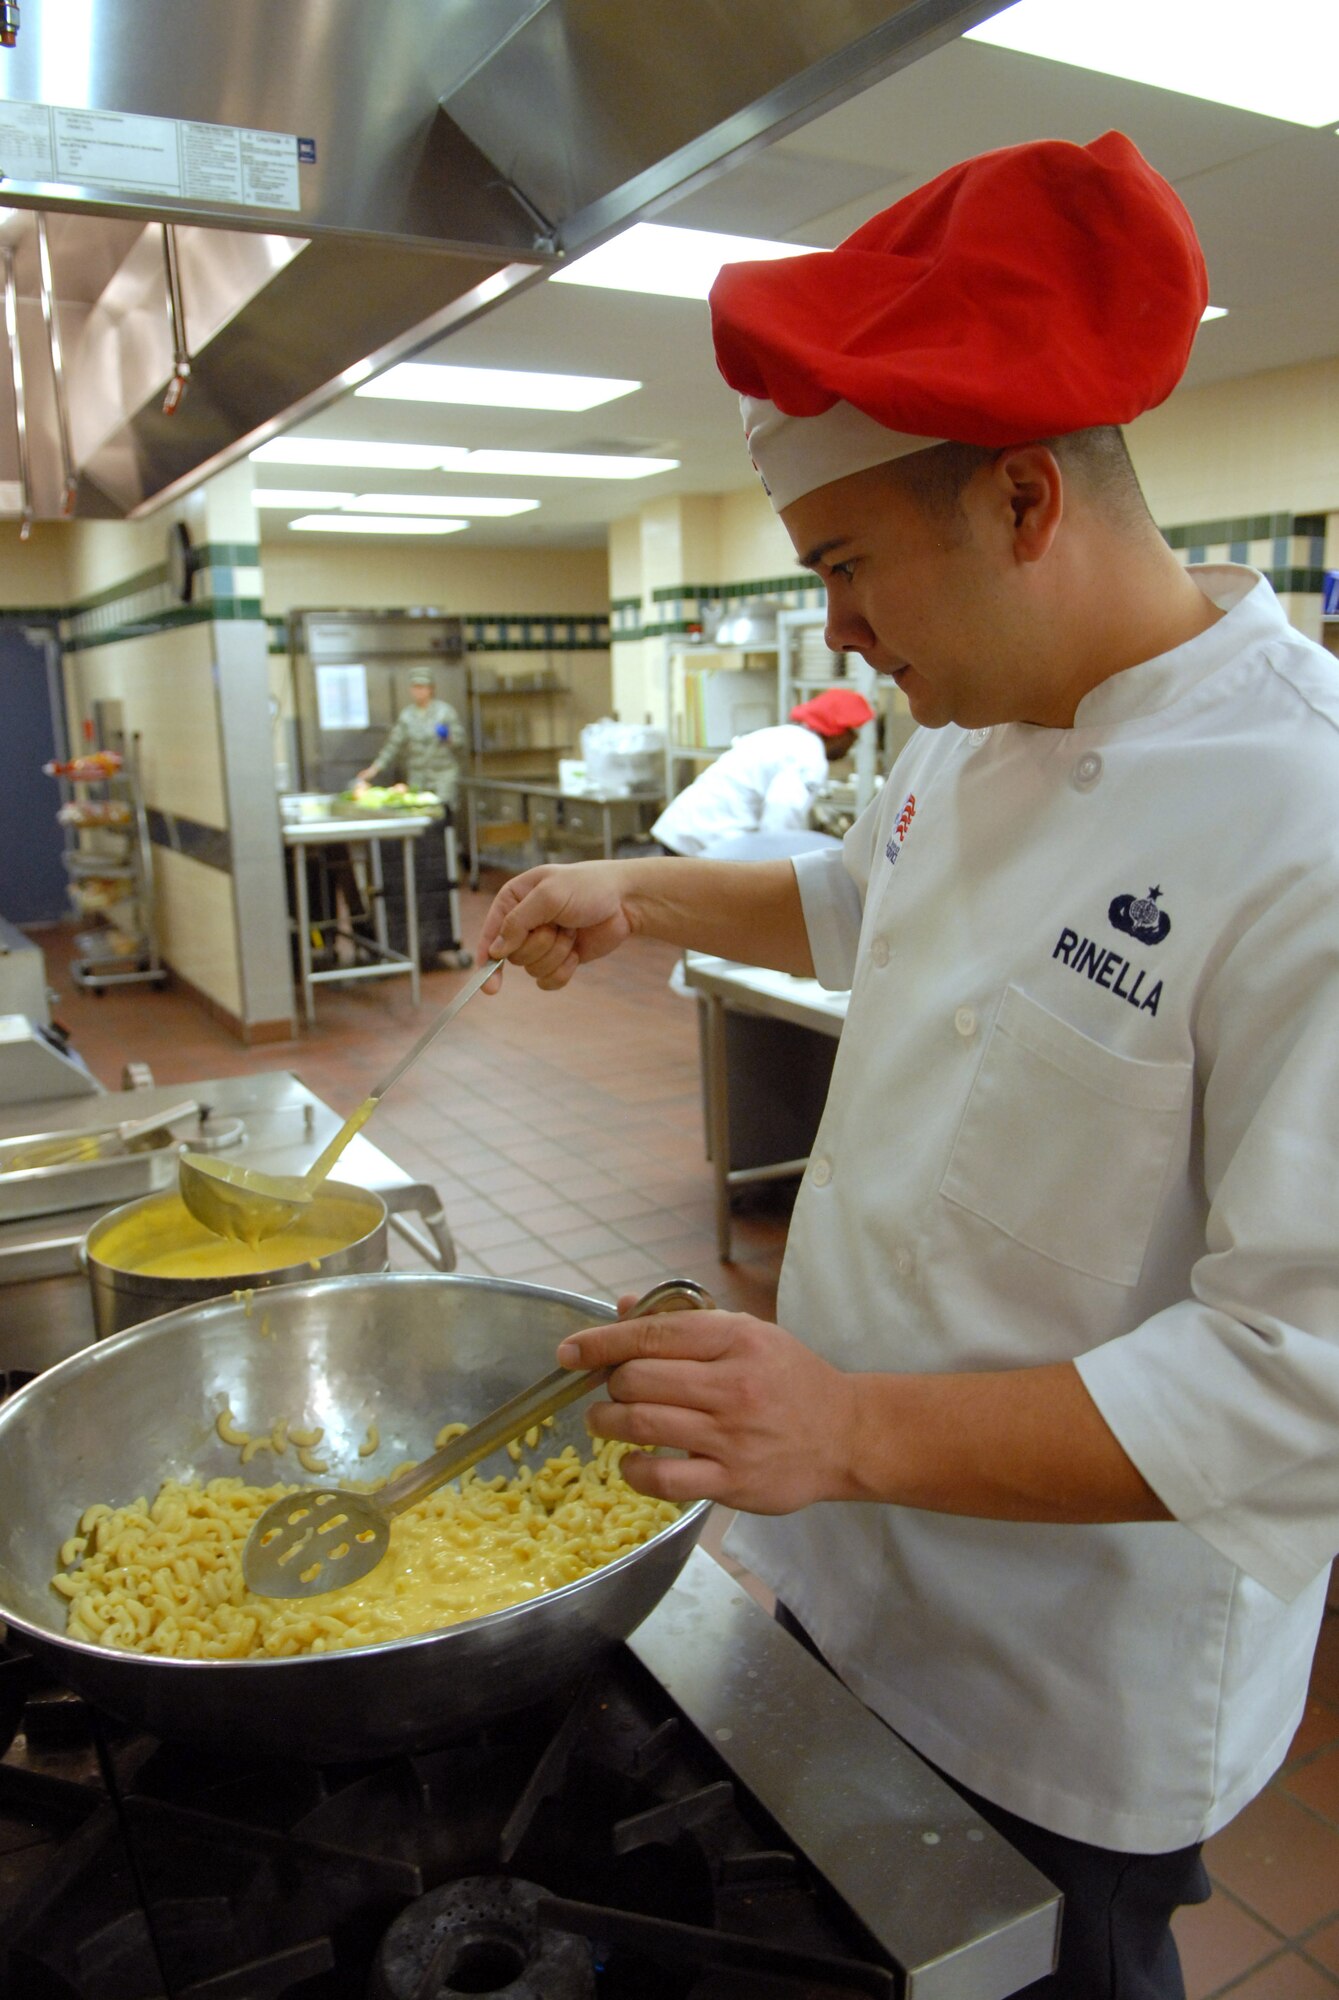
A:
[404,1351]
[126,1298]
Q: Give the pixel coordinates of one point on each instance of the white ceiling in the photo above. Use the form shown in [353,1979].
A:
[1264,196]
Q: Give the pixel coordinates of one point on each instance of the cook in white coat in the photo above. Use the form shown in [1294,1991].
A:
[1042,1452]
[767,781]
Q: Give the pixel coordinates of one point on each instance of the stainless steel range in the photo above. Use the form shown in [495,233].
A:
[710,1817]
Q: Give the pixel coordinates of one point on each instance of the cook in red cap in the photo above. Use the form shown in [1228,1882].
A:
[1039,1455]
[1028,293]
[833,712]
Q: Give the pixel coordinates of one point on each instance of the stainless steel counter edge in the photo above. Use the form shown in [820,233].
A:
[755,989]
[963,1916]
[388,826]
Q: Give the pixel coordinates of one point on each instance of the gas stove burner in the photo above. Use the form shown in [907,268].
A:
[480,1935]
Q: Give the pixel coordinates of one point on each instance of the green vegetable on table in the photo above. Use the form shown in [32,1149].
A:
[389,798]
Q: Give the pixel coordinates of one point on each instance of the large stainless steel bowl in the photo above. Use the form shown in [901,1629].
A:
[406,1352]
[121,1298]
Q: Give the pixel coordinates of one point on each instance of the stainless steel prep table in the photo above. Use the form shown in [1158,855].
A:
[369,828]
[727,987]
[46,1309]
[562,817]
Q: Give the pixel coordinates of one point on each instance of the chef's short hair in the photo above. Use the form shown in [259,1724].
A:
[1097,461]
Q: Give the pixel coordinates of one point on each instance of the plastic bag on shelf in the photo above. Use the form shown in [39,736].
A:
[622,757]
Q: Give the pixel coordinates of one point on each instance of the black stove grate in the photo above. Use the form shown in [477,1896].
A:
[605,1837]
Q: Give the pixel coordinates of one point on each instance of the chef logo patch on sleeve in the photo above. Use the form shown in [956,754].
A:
[898,835]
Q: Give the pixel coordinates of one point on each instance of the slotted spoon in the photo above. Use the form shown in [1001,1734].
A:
[326,1538]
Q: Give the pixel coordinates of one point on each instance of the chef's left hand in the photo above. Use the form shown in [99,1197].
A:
[766,1424]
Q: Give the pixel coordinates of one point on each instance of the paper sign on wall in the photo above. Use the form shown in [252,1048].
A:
[341,697]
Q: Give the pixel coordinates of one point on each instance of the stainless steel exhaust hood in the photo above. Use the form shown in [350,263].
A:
[251,208]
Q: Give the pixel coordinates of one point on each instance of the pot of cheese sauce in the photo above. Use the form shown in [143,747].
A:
[152,1256]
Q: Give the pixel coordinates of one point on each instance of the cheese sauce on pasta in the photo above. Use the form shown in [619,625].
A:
[165,1576]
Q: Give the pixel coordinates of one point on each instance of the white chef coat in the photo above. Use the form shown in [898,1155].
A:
[764,783]
[1086,1106]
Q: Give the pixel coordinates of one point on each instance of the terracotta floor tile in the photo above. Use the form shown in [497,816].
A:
[1316,1784]
[1218,1942]
[485,1236]
[568,1278]
[693,1252]
[1324,1946]
[505,1179]
[700,1208]
[537,1154]
[657,1226]
[626,1269]
[580,1245]
[624,1205]
[1280,1861]
[1325,1678]
[460,1214]
[1319,1726]
[585,1184]
[1288,1977]
[517,1260]
[545,1220]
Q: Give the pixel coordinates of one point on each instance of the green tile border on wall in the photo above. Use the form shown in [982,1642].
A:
[1242,528]
[91,622]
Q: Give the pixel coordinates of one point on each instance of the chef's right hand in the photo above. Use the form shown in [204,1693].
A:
[553,919]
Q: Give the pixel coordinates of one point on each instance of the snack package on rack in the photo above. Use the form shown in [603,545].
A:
[96,812]
[90,767]
[99,892]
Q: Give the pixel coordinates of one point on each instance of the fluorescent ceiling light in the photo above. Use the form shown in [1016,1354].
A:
[432,503]
[495,388]
[455,458]
[295,498]
[1232,54]
[376,524]
[357,451]
[564,465]
[673,263]
[1213,312]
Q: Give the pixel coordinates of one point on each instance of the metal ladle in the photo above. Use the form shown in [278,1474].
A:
[326,1537]
[248,1205]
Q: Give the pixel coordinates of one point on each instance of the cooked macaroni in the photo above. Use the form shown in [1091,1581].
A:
[165,1576]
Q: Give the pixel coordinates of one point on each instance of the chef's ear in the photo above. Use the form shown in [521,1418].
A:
[1031,482]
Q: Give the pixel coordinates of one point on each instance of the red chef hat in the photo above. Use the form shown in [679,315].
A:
[1032,291]
[833,711]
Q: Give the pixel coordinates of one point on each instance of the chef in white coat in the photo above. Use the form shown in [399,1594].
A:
[1042,1454]
[767,781]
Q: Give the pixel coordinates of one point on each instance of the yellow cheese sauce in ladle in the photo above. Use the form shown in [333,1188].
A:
[247,1205]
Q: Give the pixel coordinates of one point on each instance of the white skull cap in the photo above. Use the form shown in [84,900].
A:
[793,455]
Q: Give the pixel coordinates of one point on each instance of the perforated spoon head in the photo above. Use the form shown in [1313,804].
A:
[322,1538]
